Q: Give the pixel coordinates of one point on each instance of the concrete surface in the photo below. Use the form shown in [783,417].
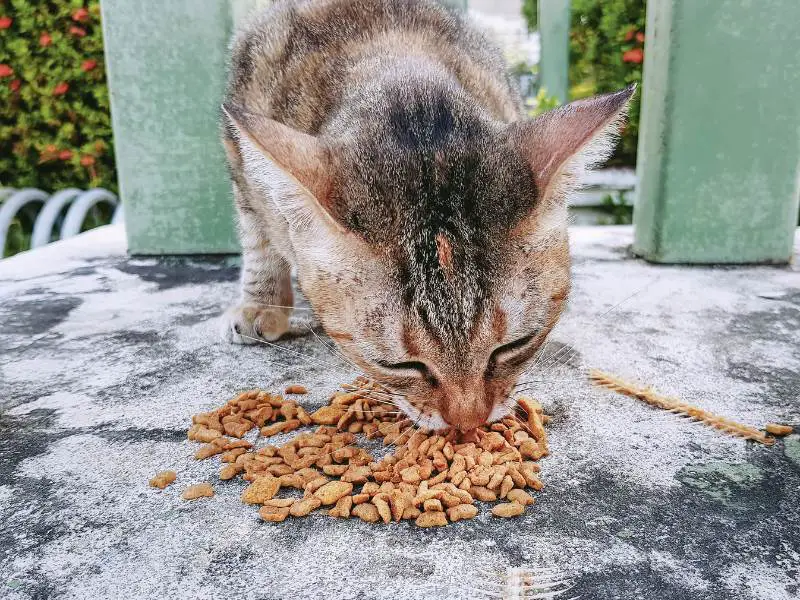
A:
[105,358]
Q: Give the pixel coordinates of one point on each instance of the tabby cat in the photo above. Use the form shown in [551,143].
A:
[380,148]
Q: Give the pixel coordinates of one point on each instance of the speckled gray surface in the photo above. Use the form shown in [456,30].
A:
[103,359]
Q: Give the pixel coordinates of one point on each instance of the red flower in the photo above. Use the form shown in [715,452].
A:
[640,37]
[77,31]
[65,154]
[629,35]
[633,56]
[87,161]
[61,89]
[6,71]
[45,39]
[5,22]
[81,15]
[15,85]
[50,148]
[88,65]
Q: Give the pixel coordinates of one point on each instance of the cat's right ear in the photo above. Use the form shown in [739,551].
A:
[300,157]
[561,144]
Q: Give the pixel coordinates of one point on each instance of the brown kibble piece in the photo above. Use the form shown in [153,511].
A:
[508,509]
[295,389]
[357,474]
[274,514]
[342,508]
[334,470]
[520,497]
[327,415]
[779,430]
[302,507]
[229,472]
[209,450]
[313,485]
[483,494]
[506,486]
[163,479]
[331,492]
[238,429]
[432,519]
[231,455]
[383,508]
[198,490]
[411,475]
[292,480]
[370,488]
[366,512]
[203,434]
[461,512]
[411,513]
[432,505]
[273,429]
[261,490]
[280,502]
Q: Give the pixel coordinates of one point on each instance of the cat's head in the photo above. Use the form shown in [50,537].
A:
[432,242]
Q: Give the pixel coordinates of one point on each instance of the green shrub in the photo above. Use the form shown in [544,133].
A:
[606,54]
[55,128]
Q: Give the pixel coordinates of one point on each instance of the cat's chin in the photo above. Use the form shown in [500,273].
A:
[431,421]
[499,411]
[435,422]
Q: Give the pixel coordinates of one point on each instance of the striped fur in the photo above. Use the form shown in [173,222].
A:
[380,147]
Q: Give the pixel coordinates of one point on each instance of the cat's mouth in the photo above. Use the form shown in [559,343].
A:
[431,418]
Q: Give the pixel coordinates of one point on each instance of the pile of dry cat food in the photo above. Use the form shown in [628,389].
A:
[431,478]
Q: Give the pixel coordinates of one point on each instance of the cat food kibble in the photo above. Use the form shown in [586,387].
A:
[779,430]
[163,479]
[430,478]
[296,389]
[198,490]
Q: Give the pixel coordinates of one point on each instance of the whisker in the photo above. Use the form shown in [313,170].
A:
[306,357]
[333,350]
[284,306]
[558,358]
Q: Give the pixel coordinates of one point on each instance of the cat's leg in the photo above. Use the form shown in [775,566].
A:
[266,298]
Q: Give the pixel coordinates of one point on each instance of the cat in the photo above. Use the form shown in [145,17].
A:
[380,147]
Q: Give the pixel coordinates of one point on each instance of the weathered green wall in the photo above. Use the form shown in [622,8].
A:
[553,24]
[719,148]
[166,74]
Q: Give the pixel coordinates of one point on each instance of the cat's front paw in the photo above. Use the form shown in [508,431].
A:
[251,323]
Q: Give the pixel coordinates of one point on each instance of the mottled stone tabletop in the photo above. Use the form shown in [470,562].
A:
[104,358]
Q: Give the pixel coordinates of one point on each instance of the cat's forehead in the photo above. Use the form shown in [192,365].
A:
[443,223]
[434,187]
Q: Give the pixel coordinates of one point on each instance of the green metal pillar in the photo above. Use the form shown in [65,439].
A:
[166,64]
[553,23]
[719,146]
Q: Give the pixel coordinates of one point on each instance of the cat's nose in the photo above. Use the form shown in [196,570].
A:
[465,416]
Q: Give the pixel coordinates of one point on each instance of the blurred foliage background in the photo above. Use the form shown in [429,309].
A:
[606,52]
[55,126]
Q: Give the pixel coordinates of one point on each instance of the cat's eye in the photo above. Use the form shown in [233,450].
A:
[506,352]
[412,365]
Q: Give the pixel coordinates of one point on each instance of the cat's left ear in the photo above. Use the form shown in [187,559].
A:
[562,144]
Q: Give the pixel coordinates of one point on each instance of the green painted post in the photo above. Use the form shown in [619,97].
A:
[554,22]
[166,63]
[719,150]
